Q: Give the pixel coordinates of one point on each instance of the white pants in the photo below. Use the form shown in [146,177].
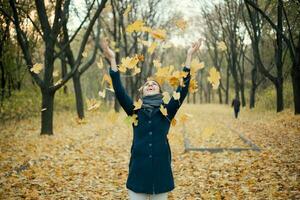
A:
[142,196]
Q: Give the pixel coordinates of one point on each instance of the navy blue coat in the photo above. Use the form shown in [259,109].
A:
[150,162]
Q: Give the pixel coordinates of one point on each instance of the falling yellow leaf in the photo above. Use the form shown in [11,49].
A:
[156,63]
[129,63]
[36,68]
[100,63]
[92,104]
[174,81]
[221,46]
[136,70]
[134,119]
[135,26]
[166,97]
[144,42]
[195,66]
[137,104]
[163,110]
[173,122]
[122,68]
[182,24]
[102,93]
[55,73]
[176,95]
[84,54]
[193,86]
[128,9]
[107,79]
[146,29]
[214,77]
[58,82]
[167,45]
[152,47]
[159,34]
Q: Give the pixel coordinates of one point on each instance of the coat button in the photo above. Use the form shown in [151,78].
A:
[149,121]
[150,132]
[150,156]
[150,144]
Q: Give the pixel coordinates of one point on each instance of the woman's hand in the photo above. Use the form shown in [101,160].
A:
[108,53]
[195,46]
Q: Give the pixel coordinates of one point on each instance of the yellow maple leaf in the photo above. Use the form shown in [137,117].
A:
[195,66]
[58,82]
[55,73]
[167,45]
[156,63]
[174,81]
[193,86]
[163,110]
[92,104]
[37,68]
[128,9]
[173,122]
[166,97]
[100,63]
[84,54]
[221,46]
[102,93]
[107,79]
[176,95]
[214,77]
[182,24]
[122,68]
[136,70]
[129,63]
[152,47]
[134,119]
[135,26]
[159,34]
[138,104]
[146,29]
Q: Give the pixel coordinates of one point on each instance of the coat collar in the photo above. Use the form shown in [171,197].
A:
[152,114]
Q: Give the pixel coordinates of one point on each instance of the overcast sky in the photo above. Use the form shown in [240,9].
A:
[190,10]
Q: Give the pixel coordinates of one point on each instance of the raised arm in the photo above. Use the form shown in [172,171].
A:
[120,92]
[174,105]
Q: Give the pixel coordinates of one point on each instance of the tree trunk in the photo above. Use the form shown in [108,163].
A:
[279,95]
[64,71]
[253,86]
[242,87]
[2,79]
[279,63]
[227,83]
[220,95]
[78,95]
[47,112]
[295,73]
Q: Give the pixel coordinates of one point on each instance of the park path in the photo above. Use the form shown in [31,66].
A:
[90,160]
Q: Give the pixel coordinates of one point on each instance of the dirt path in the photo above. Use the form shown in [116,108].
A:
[90,160]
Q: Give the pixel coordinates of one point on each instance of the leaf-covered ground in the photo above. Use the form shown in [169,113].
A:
[90,160]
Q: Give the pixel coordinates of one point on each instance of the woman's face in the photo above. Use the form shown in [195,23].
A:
[150,88]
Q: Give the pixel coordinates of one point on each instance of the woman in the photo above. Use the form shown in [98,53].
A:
[150,172]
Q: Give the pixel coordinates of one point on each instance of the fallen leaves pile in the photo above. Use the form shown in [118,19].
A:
[89,160]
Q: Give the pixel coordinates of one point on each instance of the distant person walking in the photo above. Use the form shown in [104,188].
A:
[236,106]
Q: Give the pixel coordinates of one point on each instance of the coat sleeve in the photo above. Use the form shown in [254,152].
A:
[173,104]
[120,93]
